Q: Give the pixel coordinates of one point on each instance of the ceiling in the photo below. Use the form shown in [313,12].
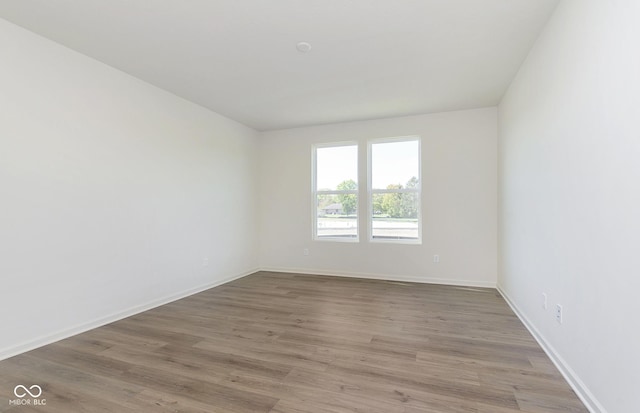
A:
[369,58]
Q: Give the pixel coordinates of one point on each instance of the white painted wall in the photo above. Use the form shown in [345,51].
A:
[459,158]
[112,193]
[569,157]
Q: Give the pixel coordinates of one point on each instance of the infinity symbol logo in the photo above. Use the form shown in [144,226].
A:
[37,392]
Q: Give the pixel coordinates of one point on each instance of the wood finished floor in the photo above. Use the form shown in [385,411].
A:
[284,343]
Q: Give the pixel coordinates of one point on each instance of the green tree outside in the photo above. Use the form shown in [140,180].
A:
[409,201]
[394,205]
[398,205]
[349,201]
[392,202]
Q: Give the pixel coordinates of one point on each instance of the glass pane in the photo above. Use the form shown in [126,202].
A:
[337,216]
[337,168]
[395,216]
[395,165]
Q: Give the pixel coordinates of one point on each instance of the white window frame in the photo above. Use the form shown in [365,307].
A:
[315,192]
[371,191]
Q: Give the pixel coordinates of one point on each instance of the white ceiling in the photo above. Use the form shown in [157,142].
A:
[370,58]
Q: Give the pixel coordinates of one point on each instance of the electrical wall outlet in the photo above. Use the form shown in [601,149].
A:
[205,262]
[559,313]
[436,259]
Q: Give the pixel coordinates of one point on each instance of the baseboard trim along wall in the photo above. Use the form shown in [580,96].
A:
[414,279]
[567,372]
[78,329]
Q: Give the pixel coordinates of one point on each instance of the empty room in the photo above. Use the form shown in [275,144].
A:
[306,206]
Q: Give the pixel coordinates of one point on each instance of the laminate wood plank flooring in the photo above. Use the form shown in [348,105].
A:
[289,343]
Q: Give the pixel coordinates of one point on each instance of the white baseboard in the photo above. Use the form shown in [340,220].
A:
[81,328]
[578,386]
[385,277]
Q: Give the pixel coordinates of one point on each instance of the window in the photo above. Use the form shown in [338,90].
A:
[335,191]
[394,190]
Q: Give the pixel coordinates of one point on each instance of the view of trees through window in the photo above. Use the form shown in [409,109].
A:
[394,188]
[336,191]
[393,205]
[397,205]
[347,202]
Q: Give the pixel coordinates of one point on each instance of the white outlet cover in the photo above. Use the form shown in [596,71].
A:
[559,313]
